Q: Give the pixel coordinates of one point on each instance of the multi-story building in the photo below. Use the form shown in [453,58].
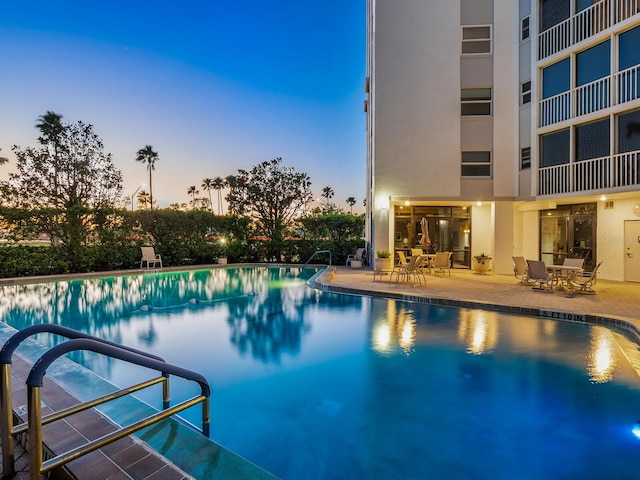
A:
[508,127]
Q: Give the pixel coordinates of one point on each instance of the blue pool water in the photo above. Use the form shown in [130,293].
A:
[314,385]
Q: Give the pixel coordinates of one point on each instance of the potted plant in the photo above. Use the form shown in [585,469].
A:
[382,260]
[482,263]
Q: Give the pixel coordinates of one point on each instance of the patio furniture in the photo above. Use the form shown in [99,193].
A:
[355,256]
[442,262]
[539,276]
[521,270]
[410,270]
[150,259]
[563,276]
[586,284]
[573,262]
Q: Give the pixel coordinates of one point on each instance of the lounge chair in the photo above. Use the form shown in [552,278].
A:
[573,262]
[442,262]
[585,284]
[411,269]
[355,256]
[521,270]
[539,276]
[150,259]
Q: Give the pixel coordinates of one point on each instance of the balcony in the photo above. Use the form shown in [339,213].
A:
[615,173]
[584,25]
[605,92]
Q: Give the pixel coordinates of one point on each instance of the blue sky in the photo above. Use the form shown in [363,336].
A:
[213,85]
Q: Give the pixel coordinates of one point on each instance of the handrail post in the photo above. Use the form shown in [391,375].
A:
[34,437]
[206,419]
[6,422]
[166,392]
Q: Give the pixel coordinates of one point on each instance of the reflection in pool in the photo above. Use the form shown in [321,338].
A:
[314,385]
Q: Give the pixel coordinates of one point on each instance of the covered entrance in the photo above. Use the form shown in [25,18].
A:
[569,231]
[448,230]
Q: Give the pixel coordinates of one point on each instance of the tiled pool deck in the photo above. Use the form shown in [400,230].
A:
[617,304]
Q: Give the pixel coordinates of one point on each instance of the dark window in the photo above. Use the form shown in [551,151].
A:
[525,92]
[524,28]
[556,78]
[525,158]
[476,39]
[475,101]
[476,164]
[554,148]
[553,12]
[628,46]
[629,132]
[592,140]
[593,63]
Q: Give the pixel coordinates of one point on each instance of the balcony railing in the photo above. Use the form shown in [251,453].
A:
[616,172]
[585,24]
[615,89]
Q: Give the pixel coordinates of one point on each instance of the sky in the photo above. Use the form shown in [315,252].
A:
[211,85]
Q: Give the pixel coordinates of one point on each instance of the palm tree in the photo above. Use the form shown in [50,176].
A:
[51,127]
[218,184]
[351,201]
[3,160]
[207,184]
[193,192]
[327,193]
[148,156]
[144,199]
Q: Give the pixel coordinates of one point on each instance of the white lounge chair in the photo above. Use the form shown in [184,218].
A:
[521,270]
[585,284]
[355,256]
[150,259]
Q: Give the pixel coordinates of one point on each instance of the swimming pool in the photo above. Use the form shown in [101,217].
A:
[315,385]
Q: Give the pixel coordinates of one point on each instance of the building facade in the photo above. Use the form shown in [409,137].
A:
[505,127]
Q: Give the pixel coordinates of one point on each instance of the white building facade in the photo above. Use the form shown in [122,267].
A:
[508,127]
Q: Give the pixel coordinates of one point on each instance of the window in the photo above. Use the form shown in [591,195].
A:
[476,40]
[525,93]
[592,140]
[593,64]
[554,148]
[553,12]
[525,158]
[476,164]
[524,29]
[629,131]
[475,101]
[556,78]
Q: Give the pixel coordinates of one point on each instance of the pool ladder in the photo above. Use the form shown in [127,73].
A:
[316,253]
[35,421]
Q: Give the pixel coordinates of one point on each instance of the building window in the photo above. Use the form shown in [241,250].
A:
[475,101]
[629,131]
[524,29]
[556,78]
[554,148]
[476,164]
[525,93]
[592,140]
[476,39]
[525,158]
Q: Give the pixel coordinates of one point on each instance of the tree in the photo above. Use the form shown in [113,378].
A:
[351,201]
[148,156]
[327,193]
[193,192]
[207,184]
[3,160]
[144,199]
[218,184]
[64,181]
[274,195]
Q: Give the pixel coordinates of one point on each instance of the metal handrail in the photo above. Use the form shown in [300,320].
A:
[315,253]
[7,431]
[34,383]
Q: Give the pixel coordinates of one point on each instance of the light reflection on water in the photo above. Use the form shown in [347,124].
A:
[359,387]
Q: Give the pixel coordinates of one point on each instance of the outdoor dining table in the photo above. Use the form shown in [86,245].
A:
[562,275]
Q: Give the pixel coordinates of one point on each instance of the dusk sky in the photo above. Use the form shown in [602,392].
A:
[213,86]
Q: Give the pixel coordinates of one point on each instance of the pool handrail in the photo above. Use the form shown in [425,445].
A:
[315,253]
[34,383]
[6,408]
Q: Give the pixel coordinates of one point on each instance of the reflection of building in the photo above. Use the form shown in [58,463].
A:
[513,128]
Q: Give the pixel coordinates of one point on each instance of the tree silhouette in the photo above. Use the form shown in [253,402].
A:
[148,156]
[351,201]
[207,184]
[218,184]
[193,192]
[327,193]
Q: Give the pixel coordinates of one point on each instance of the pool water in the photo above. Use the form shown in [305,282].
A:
[315,385]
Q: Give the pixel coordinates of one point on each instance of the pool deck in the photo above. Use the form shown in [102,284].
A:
[616,304]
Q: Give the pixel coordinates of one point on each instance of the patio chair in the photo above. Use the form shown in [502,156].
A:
[402,259]
[585,284]
[573,262]
[416,251]
[411,270]
[355,256]
[442,262]
[539,276]
[150,259]
[521,270]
